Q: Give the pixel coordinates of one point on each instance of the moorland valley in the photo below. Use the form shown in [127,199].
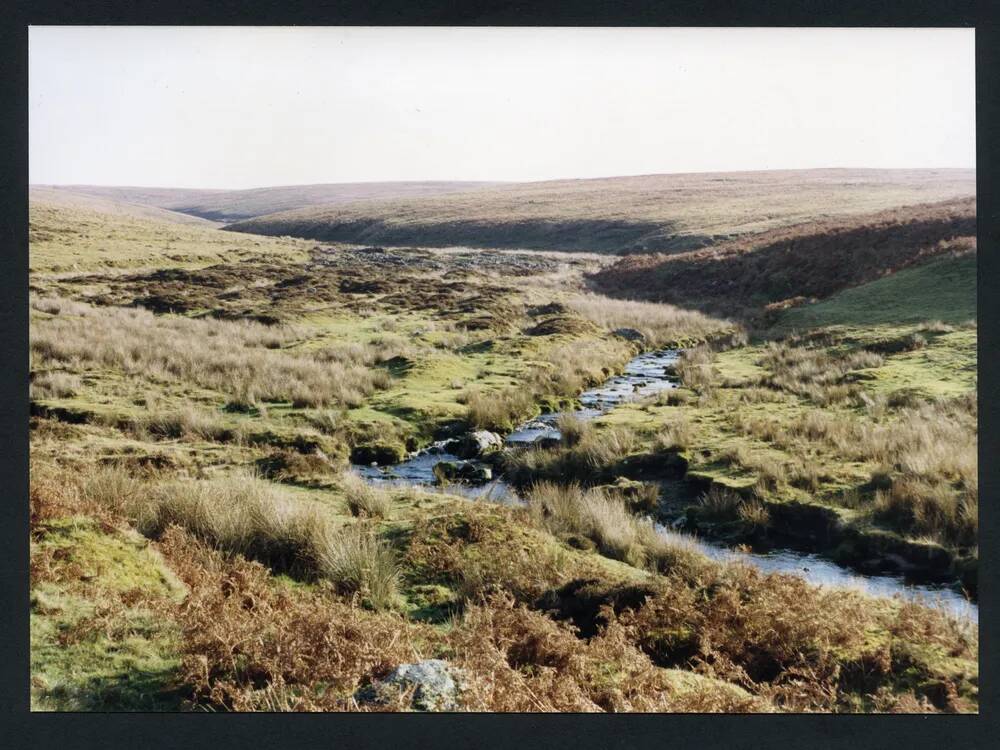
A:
[701,442]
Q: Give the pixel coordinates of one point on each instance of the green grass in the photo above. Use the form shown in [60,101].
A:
[943,290]
[70,238]
[90,649]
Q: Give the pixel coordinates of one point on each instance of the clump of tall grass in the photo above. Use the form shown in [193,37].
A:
[754,513]
[931,508]
[814,373]
[327,421]
[246,515]
[659,324]
[186,422]
[719,503]
[694,368]
[54,385]
[567,510]
[677,435]
[362,498]
[500,411]
[595,451]
[923,461]
[359,561]
[572,429]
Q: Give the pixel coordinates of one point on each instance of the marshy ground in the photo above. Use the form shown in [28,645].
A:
[199,541]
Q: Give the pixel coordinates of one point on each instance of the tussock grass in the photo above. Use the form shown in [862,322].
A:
[677,435]
[54,385]
[245,515]
[594,452]
[924,463]
[694,368]
[660,324]
[815,373]
[237,358]
[720,503]
[187,422]
[363,499]
[572,429]
[500,411]
[359,561]
[569,510]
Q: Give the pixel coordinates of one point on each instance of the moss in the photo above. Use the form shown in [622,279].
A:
[381,453]
[91,647]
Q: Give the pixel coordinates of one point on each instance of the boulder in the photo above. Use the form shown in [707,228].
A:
[433,682]
[461,471]
[475,444]
[382,454]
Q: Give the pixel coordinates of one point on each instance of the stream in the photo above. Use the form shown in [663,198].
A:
[644,376]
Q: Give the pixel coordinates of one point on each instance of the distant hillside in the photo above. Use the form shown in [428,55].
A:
[784,267]
[235,205]
[38,195]
[75,235]
[665,213]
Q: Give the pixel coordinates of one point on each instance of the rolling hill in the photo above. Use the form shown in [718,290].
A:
[789,266]
[651,213]
[79,233]
[48,196]
[235,205]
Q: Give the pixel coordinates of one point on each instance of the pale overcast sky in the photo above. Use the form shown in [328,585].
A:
[249,107]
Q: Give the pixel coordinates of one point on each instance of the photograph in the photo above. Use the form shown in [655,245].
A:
[502,369]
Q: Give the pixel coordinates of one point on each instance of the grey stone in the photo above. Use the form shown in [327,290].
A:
[451,471]
[476,444]
[431,680]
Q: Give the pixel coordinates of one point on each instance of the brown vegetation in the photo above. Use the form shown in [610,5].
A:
[812,260]
[648,213]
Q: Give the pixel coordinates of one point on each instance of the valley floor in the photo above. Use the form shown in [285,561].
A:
[199,540]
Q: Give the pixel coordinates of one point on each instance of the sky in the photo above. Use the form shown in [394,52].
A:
[225,107]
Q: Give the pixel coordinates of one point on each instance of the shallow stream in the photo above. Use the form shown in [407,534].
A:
[644,376]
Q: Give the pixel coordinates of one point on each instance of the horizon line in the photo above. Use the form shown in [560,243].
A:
[498,182]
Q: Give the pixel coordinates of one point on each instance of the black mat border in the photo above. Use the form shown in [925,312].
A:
[22,729]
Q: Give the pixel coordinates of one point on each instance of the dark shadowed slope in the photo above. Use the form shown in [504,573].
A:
[788,266]
[234,205]
[622,214]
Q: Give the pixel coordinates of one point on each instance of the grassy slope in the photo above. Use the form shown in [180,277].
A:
[77,237]
[942,290]
[119,207]
[647,213]
[236,205]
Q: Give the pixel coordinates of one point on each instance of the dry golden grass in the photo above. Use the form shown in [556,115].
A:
[659,324]
[358,561]
[924,463]
[814,373]
[238,358]
[54,385]
[363,499]
[569,510]
[593,452]
[499,410]
[245,515]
